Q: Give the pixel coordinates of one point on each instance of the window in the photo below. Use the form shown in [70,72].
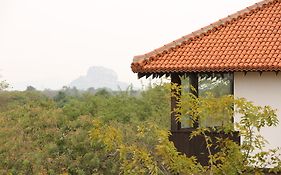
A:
[212,87]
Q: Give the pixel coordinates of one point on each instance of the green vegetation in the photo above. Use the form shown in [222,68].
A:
[125,132]
[46,135]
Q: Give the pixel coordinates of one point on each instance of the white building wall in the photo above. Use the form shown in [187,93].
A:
[264,89]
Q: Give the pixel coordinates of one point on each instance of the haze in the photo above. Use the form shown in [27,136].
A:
[48,44]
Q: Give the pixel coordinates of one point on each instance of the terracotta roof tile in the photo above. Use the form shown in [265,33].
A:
[249,40]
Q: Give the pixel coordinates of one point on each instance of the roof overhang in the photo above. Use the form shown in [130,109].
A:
[247,41]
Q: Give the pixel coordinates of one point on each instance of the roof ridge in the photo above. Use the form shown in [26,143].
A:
[204,31]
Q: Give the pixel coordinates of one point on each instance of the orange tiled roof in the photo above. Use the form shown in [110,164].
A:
[249,40]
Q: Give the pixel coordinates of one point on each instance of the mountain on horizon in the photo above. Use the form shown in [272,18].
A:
[99,77]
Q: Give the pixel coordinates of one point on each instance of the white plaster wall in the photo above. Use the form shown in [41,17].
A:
[264,89]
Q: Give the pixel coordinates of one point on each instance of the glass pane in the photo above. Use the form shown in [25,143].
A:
[218,85]
[186,121]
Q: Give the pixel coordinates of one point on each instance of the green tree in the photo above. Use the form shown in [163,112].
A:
[42,135]
[149,150]
[30,88]
[3,85]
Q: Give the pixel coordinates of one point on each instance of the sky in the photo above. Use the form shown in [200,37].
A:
[48,44]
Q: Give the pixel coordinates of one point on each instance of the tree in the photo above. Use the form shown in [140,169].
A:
[150,152]
[3,85]
[91,90]
[30,88]
[120,133]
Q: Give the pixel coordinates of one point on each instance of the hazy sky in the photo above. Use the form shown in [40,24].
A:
[48,43]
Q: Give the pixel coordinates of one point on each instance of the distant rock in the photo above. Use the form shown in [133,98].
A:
[99,77]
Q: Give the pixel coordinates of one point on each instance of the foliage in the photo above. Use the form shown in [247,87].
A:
[148,152]
[251,156]
[30,88]
[41,135]
[37,138]
[125,132]
[151,152]
[3,85]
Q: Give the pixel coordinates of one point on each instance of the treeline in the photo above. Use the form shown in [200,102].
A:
[50,135]
[127,132]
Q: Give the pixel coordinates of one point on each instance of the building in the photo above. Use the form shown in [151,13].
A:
[246,45]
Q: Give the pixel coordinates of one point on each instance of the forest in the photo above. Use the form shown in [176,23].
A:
[122,132]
